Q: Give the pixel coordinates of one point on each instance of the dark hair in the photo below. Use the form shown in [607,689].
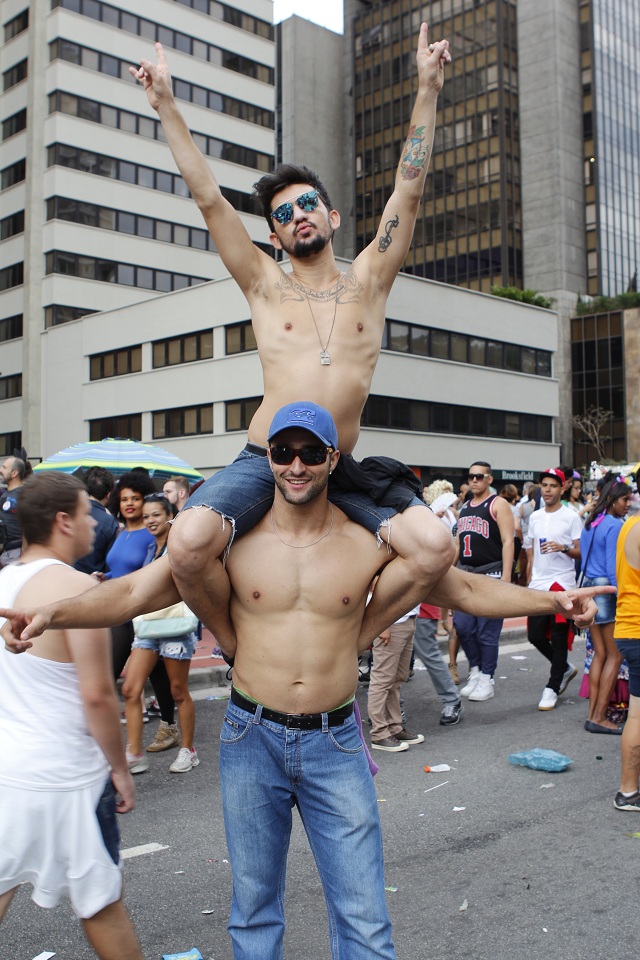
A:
[162,498]
[99,482]
[568,471]
[480,463]
[42,497]
[610,493]
[137,480]
[20,467]
[284,174]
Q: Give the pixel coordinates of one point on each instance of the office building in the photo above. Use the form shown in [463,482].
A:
[93,213]
[182,371]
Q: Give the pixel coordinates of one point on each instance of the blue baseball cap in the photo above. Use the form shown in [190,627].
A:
[306,415]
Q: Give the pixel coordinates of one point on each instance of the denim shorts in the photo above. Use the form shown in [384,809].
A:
[171,648]
[606,603]
[630,650]
[243,493]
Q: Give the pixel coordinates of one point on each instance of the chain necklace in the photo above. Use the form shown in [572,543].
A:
[325,358]
[301,546]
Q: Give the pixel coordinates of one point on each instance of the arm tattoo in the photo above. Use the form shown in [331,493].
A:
[414,155]
[385,242]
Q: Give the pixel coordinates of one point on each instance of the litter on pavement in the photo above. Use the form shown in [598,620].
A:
[538,759]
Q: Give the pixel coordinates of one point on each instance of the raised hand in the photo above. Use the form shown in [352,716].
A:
[430,60]
[155,78]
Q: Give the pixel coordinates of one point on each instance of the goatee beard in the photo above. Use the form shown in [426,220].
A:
[307,248]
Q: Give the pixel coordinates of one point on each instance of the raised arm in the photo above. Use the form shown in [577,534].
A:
[244,261]
[106,605]
[386,253]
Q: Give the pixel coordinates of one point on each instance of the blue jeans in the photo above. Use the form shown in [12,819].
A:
[480,639]
[243,492]
[266,770]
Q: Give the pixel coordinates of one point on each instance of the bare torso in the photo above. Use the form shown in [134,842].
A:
[297,615]
[290,346]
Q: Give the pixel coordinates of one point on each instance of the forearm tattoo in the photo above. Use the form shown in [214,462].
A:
[415,154]
[385,242]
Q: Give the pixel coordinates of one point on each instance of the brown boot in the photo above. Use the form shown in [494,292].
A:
[166,737]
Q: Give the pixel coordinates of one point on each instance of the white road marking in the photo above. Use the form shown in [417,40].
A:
[142,850]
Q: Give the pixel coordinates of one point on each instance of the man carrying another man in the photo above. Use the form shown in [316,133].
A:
[300,580]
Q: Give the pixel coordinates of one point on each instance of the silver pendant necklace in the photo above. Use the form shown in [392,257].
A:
[301,546]
[325,357]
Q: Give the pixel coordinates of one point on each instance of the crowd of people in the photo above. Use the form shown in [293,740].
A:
[276,554]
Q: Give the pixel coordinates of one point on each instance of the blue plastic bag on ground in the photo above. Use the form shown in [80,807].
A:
[538,759]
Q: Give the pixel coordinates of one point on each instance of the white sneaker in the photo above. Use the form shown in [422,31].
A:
[472,680]
[483,689]
[137,763]
[548,699]
[185,760]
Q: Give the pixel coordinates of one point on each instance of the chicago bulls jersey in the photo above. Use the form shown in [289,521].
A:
[479,536]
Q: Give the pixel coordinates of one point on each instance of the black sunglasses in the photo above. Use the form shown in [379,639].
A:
[283,214]
[312,456]
[477,476]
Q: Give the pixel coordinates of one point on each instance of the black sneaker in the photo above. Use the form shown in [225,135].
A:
[451,714]
[627,803]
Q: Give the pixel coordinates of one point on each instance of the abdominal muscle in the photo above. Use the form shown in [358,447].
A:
[294,666]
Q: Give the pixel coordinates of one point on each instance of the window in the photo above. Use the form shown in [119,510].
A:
[425,417]
[11,387]
[185,349]
[89,162]
[11,328]
[239,413]
[104,63]
[126,427]
[12,225]
[56,313]
[441,345]
[183,421]
[15,74]
[15,26]
[10,442]
[14,124]
[89,268]
[12,276]
[13,174]
[115,363]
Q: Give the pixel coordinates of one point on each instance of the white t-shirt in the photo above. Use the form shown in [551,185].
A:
[560,526]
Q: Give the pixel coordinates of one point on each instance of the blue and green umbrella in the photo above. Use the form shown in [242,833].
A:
[118,456]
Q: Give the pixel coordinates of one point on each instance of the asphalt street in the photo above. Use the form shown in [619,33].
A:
[487,861]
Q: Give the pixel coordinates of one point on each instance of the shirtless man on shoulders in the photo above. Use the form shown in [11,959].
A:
[318,332]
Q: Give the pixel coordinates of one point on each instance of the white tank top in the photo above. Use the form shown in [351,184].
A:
[44,740]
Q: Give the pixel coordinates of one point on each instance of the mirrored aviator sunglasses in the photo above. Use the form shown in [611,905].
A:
[311,456]
[306,201]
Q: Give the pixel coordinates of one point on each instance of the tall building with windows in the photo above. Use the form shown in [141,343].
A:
[93,213]
[535,173]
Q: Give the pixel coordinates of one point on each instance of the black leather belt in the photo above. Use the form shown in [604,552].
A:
[255,449]
[295,721]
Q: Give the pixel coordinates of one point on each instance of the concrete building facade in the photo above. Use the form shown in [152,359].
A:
[196,379]
[93,213]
